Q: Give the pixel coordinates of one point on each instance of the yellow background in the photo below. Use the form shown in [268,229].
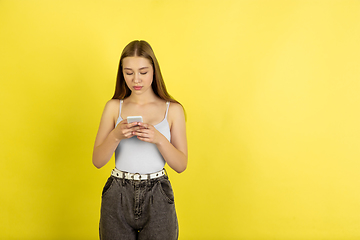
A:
[271,90]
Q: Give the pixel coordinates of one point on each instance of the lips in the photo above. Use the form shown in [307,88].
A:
[137,87]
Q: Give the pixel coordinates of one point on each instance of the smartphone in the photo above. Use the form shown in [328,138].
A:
[131,119]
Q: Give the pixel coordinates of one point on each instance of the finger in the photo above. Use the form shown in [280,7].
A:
[136,128]
[144,125]
[129,134]
[144,139]
[133,124]
[140,134]
[142,129]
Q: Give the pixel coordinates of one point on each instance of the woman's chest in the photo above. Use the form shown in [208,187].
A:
[152,115]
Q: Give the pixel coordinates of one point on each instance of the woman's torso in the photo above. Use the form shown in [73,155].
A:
[136,156]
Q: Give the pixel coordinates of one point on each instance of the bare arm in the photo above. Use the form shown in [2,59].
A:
[109,136]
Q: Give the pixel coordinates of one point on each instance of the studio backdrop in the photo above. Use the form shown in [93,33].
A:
[271,93]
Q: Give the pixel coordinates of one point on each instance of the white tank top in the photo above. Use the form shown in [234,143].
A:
[136,156]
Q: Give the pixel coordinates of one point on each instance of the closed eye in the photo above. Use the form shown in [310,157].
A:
[143,73]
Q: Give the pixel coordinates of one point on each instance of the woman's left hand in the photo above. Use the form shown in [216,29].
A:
[148,133]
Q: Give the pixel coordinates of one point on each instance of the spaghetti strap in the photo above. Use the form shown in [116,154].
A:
[167,109]
[121,101]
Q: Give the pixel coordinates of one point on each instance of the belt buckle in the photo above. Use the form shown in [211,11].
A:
[136,174]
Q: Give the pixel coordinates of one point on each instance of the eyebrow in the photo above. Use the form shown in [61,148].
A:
[139,68]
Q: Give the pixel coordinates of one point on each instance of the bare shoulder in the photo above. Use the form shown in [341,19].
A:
[113,103]
[176,113]
[176,110]
[112,108]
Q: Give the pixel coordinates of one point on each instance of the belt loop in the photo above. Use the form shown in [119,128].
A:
[148,181]
[123,179]
[136,174]
[166,174]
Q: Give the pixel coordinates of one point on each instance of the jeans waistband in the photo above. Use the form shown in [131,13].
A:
[137,176]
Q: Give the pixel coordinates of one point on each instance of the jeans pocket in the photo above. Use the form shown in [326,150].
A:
[166,190]
[108,185]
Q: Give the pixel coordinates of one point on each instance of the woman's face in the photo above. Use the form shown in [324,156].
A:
[138,74]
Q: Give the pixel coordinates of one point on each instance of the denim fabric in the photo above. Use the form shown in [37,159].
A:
[138,210]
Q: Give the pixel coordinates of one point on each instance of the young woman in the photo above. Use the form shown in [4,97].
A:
[137,199]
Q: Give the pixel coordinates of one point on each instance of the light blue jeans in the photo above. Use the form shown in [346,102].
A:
[132,209]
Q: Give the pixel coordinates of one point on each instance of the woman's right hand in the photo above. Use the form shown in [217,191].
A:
[125,130]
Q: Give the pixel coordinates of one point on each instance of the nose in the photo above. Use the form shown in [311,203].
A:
[137,78]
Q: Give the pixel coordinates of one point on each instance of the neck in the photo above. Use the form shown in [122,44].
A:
[143,98]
